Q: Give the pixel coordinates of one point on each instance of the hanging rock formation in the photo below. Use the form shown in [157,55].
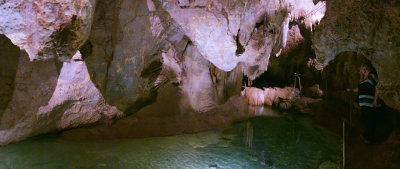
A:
[47,28]
[231,32]
[129,50]
[124,51]
[132,48]
[369,28]
[125,59]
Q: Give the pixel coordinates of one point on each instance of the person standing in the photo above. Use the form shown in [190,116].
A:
[367,100]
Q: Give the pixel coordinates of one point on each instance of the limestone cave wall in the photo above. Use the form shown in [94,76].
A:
[87,62]
[367,27]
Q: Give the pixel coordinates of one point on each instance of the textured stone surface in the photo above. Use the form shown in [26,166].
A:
[295,58]
[231,32]
[165,117]
[202,86]
[127,38]
[199,92]
[367,27]
[45,101]
[74,84]
[34,83]
[47,28]
[134,48]
[124,51]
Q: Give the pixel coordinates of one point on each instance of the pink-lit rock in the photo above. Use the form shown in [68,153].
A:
[47,28]
[225,32]
[52,103]
[269,96]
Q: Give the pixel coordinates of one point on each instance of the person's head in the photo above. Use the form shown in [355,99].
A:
[366,69]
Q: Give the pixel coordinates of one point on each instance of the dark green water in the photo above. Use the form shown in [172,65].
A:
[285,141]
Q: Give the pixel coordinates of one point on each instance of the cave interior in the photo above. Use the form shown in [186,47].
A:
[199,84]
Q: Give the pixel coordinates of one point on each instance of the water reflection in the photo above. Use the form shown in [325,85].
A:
[266,141]
[263,111]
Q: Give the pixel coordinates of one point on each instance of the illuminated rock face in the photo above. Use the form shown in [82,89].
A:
[124,51]
[126,39]
[128,61]
[44,100]
[231,32]
[132,48]
[47,28]
[369,28]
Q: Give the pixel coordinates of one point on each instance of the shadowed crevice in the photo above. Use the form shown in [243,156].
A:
[9,57]
[239,47]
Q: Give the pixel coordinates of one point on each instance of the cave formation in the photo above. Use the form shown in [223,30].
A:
[128,69]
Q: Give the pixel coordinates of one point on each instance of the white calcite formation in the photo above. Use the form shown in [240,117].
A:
[47,28]
[249,32]
[269,96]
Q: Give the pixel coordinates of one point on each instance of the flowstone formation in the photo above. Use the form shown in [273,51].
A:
[369,28]
[129,51]
[128,62]
[247,32]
